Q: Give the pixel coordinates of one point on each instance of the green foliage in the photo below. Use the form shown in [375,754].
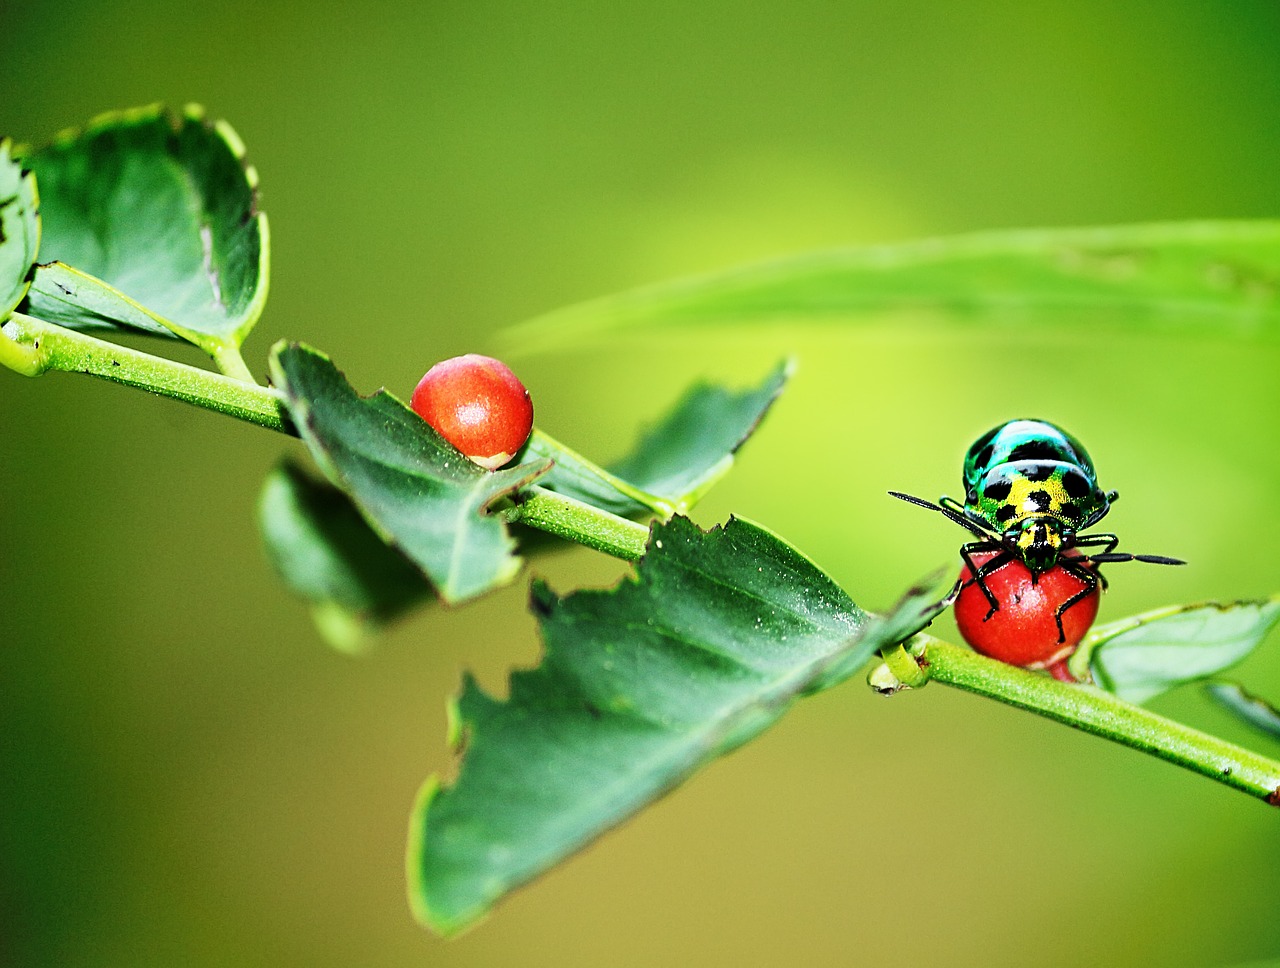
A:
[1214,274]
[19,230]
[151,224]
[640,686]
[326,553]
[1141,657]
[415,490]
[677,460]
[1254,710]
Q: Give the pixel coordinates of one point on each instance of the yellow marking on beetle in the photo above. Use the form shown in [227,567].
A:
[1020,497]
[1052,538]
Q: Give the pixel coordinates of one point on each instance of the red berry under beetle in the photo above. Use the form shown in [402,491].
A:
[478,405]
[1023,631]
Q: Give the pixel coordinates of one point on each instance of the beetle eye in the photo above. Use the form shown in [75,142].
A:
[972,496]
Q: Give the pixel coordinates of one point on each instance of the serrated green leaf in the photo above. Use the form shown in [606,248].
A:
[151,224]
[415,490]
[1254,710]
[329,556]
[1217,274]
[640,686]
[679,458]
[1141,657]
[19,229]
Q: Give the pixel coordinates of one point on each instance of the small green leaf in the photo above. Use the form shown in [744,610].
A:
[326,553]
[639,687]
[151,224]
[679,458]
[1216,274]
[1255,711]
[416,490]
[1140,657]
[19,230]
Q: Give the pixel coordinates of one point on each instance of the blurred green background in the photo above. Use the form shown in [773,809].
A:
[190,777]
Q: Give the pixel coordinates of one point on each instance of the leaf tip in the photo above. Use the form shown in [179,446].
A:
[343,630]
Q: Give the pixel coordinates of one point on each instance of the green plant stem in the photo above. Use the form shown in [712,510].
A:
[231,363]
[35,347]
[1101,713]
[567,517]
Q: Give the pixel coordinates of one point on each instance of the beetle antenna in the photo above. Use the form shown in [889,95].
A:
[1108,557]
[947,512]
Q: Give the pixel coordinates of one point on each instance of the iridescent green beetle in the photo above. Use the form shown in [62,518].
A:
[1030,489]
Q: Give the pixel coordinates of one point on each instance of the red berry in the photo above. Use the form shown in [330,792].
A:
[1022,631]
[478,405]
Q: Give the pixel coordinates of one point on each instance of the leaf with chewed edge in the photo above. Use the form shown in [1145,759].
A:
[640,686]
[411,485]
[151,224]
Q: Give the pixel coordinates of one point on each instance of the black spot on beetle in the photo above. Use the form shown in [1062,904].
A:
[1005,513]
[1039,472]
[1069,511]
[997,490]
[984,457]
[1076,484]
[1036,450]
[1041,499]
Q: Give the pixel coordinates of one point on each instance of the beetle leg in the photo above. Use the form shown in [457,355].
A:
[980,572]
[1109,541]
[1091,581]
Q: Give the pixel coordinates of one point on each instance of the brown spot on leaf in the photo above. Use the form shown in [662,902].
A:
[1273,797]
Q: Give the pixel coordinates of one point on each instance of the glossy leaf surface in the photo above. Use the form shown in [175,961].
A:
[151,224]
[1254,710]
[678,458]
[329,556]
[19,229]
[415,490]
[1141,657]
[1214,275]
[640,685]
